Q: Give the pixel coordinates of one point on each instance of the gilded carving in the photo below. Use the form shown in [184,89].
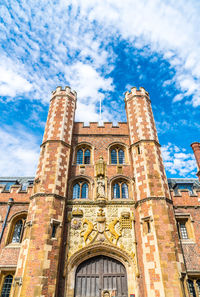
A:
[88,231]
[111,229]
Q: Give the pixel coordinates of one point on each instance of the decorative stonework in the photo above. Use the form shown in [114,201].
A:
[112,225]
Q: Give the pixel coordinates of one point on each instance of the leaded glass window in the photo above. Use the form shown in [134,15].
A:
[121,157]
[120,190]
[80,190]
[183,230]
[76,191]
[79,159]
[114,157]
[84,191]
[17,233]
[7,286]
[191,288]
[116,191]
[124,190]
[87,157]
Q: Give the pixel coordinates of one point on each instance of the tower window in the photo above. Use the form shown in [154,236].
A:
[120,190]
[182,229]
[80,190]
[83,156]
[5,292]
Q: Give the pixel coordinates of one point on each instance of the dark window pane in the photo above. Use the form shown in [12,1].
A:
[87,157]
[191,288]
[116,191]
[183,230]
[76,191]
[124,190]
[121,157]
[17,231]
[113,157]
[84,191]
[198,287]
[6,286]
[79,159]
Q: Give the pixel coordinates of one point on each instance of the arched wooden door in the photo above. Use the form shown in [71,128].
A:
[98,274]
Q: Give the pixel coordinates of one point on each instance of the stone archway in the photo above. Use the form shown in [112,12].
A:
[99,276]
[95,250]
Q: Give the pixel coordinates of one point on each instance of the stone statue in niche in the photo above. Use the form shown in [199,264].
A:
[100,187]
[100,170]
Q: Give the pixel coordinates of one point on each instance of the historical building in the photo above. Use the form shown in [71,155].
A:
[100,218]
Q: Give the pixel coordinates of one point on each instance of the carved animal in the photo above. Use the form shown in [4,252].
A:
[89,230]
[111,228]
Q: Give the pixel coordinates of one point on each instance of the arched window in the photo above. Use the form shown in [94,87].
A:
[120,190]
[17,233]
[117,155]
[5,292]
[16,229]
[83,155]
[80,190]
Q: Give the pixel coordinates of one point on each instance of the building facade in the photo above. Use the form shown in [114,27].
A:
[100,218]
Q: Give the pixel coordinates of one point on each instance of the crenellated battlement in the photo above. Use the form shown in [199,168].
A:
[62,92]
[105,128]
[135,92]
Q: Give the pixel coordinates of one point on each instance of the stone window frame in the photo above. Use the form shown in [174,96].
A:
[187,219]
[118,146]
[146,223]
[12,223]
[84,146]
[77,179]
[3,275]
[122,179]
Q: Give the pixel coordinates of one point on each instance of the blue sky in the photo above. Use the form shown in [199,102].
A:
[101,49]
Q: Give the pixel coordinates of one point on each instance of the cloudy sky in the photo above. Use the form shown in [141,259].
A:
[101,49]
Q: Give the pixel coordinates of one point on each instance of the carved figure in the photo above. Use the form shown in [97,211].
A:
[111,228]
[89,230]
[100,187]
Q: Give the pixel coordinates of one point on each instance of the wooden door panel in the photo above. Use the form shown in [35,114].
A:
[98,274]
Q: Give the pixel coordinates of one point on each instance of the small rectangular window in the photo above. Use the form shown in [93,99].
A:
[54,229]
[183,230]
[138,149]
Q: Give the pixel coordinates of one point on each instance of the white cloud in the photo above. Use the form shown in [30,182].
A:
[19,152]
[12,82]
[177,161]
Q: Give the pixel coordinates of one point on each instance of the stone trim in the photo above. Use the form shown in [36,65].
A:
[47,194]
[153,198]
[186,206]
[15,203]
[96,203]
[101,135]
[56,140]
[145,140]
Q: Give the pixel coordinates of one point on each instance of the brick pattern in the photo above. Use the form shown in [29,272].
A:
[159,260]
[39,254]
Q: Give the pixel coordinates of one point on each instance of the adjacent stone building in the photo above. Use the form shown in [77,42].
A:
[100,218]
